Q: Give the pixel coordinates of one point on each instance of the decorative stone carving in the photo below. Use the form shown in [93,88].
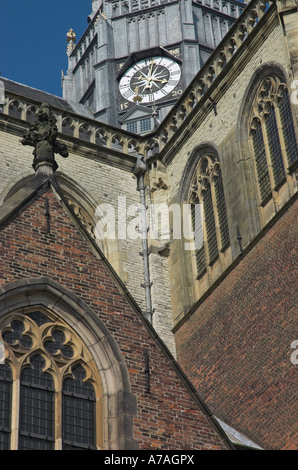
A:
[158,176]
[71,40]
[84,218]
[140,167]
[42,135]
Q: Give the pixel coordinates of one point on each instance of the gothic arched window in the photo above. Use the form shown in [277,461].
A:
[273,135]
[50,392]
[210,224]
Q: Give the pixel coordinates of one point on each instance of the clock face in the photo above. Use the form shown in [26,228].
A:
[150,79]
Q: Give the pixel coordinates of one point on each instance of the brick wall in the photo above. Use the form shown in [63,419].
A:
[167,417]
[236,346]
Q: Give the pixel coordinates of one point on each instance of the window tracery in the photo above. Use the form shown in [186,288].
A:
[212,229]
[273,135]
[57,404]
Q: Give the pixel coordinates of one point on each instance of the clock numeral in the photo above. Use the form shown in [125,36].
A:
[123,106]
[177,92]
[163,91]
[136,68]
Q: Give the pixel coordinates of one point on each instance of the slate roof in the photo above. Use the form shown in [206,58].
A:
[44,97]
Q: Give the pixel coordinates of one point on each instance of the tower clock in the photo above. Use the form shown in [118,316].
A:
[152,79]
[137,56]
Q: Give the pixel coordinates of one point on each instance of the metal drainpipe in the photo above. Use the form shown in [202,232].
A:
[140,170]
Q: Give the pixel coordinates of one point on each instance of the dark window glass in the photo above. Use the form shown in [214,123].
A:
[145,124]
[210,224]
[36,408]
[38,317]
[275,148]
[5,406]
[78,406]
[288,127]
[261,163]
[16,335]
[221,211]
[58,344]
[132,127]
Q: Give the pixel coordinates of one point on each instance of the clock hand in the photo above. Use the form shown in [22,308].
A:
[151,69]
[164,80]
[149,77]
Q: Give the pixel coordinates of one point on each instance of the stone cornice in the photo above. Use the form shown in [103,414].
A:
[106,155]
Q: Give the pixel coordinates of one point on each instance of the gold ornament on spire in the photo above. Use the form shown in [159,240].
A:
[71,40]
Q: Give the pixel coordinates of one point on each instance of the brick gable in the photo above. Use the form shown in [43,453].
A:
[170,416]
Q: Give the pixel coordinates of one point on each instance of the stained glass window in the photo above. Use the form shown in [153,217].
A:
[273,135]
[261,163]
[5,406]
[274,147]
[78,412]
[207,189]
[209,221]
[36,408]
[221,211]
[54,409]
[288,129]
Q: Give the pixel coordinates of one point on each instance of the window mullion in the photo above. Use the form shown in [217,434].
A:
[15,414]
[58,418]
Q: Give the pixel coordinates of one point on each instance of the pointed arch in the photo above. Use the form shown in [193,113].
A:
[198,152]
[97,351]
[202,186]
[268,132]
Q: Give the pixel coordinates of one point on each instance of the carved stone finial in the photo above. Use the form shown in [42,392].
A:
[71,40]
[42,135]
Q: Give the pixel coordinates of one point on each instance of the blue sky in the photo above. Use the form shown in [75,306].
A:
[33,39]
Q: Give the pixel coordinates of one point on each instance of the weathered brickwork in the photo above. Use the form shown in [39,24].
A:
[167,417]
[236,346]
[234,323]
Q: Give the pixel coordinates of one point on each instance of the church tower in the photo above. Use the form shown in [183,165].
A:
[137,56]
